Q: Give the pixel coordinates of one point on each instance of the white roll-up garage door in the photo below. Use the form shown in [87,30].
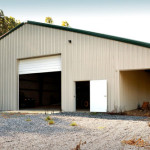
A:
[39,65]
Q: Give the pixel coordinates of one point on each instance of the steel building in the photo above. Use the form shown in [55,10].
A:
[48,65]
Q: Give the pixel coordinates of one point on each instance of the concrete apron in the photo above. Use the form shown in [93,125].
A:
[30,111]
[40,111]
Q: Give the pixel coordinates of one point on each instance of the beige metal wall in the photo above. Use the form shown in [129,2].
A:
[86,58]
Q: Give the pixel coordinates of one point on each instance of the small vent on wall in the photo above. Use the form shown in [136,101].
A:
[69,41]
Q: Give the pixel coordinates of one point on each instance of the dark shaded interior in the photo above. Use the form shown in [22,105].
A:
[83,95]
[40,90]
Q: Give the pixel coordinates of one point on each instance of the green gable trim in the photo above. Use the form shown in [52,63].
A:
[120,39]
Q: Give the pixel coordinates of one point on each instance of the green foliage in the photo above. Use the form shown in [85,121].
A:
[65,24]
[28,119]
[48,118]
[51,122]
[73,124]
[7,23]
[49,20]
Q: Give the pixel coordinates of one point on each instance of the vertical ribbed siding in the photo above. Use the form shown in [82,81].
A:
[89,58]
[86,58]
[26,42]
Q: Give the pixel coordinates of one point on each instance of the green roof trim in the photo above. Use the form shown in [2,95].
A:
[18,26]
[115,38]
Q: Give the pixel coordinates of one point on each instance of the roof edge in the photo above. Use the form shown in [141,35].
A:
[105,36]
[110,37]
[18,26]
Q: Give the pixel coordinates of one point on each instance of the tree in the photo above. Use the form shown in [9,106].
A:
[7,23]
[1,21]
[65,24]
[49,20]
[1,13]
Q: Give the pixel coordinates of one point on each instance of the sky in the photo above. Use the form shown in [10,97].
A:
[124,18]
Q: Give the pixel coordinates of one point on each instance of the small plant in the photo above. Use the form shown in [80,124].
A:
[51,122]
[28,119]
[73,124]
[101,128]
[48,118]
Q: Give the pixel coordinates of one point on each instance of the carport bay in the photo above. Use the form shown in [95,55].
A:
[134,88]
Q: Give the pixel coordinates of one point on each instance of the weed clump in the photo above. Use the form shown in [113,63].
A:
[100,128]
[48,118]
[73,124]
[51,122]
[28,119]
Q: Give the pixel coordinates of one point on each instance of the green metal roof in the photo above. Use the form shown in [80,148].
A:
[115,38]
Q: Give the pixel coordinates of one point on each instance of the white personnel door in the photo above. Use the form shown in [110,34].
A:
[98,96]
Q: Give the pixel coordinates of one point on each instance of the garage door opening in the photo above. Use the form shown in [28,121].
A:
[134,89]
[83,95]
[40,91]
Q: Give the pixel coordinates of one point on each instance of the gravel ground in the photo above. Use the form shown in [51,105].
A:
[100,131]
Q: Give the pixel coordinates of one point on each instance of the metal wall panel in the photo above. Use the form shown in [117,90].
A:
[86,58]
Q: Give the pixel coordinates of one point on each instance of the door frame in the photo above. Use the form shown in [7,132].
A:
[89,89]
[17,71]
[75,96]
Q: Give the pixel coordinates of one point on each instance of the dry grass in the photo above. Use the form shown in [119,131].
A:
[28,119]
[100,128]
[138,112]
[136,142]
